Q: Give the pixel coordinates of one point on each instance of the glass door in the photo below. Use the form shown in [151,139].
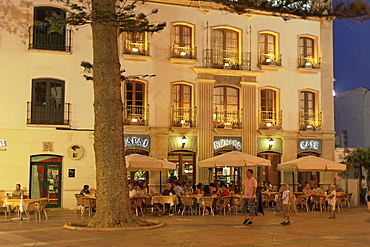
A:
[46,179]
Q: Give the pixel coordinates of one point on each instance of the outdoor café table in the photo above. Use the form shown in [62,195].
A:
[22,205]
[163,200]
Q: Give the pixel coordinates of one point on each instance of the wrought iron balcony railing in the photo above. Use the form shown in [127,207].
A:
[40,39]
[269,59]
[309,62]
[49,113]
[270,120]
[136,48]
[310,121]
[183,117]
[223,59]
[228,119]
[183,52]
[135,115]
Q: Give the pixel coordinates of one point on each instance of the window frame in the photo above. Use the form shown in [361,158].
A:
[225,97]
[181,95]
[134,92]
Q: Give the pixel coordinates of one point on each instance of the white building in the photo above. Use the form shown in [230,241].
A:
[254,83]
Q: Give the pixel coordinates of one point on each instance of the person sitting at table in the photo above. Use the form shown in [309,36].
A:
[168,191]
[18,192]
[316,189]
[188,189]
[199,189]
[213,188]
[307,190]
[224,190]
[85,190]
[132,191]
[179,190]
[142,192]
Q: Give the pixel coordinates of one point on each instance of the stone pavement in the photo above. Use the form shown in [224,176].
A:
[351,227]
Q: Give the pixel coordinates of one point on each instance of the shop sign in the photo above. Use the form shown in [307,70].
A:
[227,142]
[136,141]
[75,152]
[307,145]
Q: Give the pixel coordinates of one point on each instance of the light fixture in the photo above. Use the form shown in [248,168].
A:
[183,141]
[135,49]
[182,53]
[268,124]
[182,121]
[134,120]
[271,143]
[226,64]
[268,60]
[308,64]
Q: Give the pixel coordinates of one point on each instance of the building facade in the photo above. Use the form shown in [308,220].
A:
[254,83]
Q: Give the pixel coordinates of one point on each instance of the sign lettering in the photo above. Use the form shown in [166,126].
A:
[309,144]
[136,141]
[226,143]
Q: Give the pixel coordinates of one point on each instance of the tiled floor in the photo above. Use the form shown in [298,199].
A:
[350,228]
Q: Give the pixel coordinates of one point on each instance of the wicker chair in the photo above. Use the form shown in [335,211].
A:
[79,203]
[347,199]
[187,202]
[4,210]
[207,202]
[318,200]
[235,203]
[223,203]
[89,204]
[303,201]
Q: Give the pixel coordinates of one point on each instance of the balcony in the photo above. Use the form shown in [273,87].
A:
[223,59]
[227,119]
[135,115]
[309,65]
[48,113]
[183,55]
[270,120]
[183,117]
[41,39]
[310,121]
[269,62]
[136,51]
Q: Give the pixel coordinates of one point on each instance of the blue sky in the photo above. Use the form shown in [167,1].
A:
[351,55]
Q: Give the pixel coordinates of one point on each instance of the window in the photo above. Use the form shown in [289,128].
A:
[309,119]
[40,38]
[135,110]
[307,53]
[269,115]
[268,50]
[182,113]
[225,49]
[226,107]
[135,43]
[182,44]
[47,106]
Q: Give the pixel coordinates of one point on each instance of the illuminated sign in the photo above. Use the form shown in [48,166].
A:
[221,143]
[136,141]
[308,145]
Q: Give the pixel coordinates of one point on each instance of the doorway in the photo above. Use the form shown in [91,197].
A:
[270,173]
[46,172]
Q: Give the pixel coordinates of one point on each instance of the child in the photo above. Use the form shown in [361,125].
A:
[332,200]
[287,200]
[368,201]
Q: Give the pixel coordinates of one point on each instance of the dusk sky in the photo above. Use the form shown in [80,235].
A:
[351,55]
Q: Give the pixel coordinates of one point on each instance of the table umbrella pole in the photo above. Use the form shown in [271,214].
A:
[160,181]
[293,180]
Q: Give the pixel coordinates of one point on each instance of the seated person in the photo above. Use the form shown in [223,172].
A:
[168,191]
[307,190]
[85,190]
[18,192]
[339,189]
[188,189]
[224,190]
[199,189]
[316,189]
[142,192]
[179,191]
[207,191]
[131,192]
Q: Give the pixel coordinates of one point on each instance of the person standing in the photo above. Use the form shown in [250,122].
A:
[332,200]
[363,187]
[249,195]
[287,200]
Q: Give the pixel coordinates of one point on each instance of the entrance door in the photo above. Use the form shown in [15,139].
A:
[270,173]
[46,171]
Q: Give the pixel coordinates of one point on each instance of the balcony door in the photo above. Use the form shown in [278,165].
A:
[182,41]
[226,106]
[306,47]
[307,104]
[268,108]
[134,102]
[42,38]
[225,46]
[47,105]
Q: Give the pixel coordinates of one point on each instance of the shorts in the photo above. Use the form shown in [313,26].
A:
[286,210]
[247,206]
[332,205]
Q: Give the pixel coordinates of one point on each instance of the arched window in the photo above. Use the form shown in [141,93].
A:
[308,53]
[268,49]
[135,109]
[270,117]
[309,118]
[226,107]
[135,44]
[182,112]
[225,49]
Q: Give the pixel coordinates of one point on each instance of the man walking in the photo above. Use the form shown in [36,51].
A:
[249,195]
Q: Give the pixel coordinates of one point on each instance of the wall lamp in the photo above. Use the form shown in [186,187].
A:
[183,141]
[271,143]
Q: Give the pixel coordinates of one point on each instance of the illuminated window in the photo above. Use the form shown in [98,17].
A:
[135,43]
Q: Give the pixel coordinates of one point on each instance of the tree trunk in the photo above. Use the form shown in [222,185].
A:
[112,199]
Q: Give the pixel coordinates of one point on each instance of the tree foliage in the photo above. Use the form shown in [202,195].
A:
[358,157]
[355,11]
